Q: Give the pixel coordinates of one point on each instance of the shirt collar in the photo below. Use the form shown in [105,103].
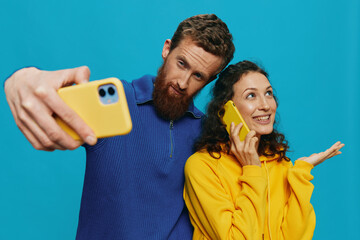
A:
[144,88]
[268,158]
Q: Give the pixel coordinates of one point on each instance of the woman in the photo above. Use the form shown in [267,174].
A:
[248,189]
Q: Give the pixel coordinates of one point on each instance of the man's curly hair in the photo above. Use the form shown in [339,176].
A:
[208,32]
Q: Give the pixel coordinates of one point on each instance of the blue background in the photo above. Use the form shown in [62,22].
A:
[310,49]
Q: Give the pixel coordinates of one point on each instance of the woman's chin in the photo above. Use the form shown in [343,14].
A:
[260,132]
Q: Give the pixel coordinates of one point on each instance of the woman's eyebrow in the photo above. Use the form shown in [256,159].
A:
[250,89]
[254,89]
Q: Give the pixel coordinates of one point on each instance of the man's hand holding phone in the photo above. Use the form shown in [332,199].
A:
[33,99]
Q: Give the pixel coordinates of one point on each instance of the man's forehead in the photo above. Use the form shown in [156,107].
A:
[189,41]
[192,49]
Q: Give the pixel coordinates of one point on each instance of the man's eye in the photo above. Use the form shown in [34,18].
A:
[181,63]
[198,75]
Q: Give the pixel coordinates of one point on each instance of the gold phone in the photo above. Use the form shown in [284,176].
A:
[101,104]
[232,114]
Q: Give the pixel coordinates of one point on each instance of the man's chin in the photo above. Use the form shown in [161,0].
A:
[171,111]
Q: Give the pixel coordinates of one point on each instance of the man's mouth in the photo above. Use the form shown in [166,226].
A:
[174,91]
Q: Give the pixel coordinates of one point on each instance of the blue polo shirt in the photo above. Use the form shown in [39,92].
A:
[133,184]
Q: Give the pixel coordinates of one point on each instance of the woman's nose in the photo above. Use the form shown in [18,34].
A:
[264,105]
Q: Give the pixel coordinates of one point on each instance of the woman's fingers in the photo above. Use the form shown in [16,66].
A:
[235,130]
[245,151]
[332,151]
[236,145]
[335,150]
[318,158]
[247,140]
[234,135]
[253,156]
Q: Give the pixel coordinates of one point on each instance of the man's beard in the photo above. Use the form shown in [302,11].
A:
[169,107]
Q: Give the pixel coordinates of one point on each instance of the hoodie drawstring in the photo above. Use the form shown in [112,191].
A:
[268,196]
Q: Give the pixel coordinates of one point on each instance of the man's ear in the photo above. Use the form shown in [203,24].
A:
[166,49]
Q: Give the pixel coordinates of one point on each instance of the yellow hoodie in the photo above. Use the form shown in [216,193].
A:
[227,201]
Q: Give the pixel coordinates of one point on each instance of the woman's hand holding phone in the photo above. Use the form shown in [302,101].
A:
[318,158]
[245,151]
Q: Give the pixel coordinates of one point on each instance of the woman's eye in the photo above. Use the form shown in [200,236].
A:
[250,95]
[269,93]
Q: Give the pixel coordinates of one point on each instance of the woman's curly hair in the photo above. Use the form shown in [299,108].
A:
[214,138]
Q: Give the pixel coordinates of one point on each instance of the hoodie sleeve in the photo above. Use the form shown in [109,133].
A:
[299,215]
[212,209]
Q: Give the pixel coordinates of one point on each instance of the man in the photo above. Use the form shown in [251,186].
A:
[134,183]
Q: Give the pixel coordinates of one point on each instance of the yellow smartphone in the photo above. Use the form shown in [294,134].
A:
[101,104]
[232,114]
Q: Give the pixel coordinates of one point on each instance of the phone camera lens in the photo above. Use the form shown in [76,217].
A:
[102,93]
[111,91]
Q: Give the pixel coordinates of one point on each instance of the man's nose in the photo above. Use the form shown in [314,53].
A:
[183,81]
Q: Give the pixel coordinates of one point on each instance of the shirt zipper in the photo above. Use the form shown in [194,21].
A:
[171,140]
